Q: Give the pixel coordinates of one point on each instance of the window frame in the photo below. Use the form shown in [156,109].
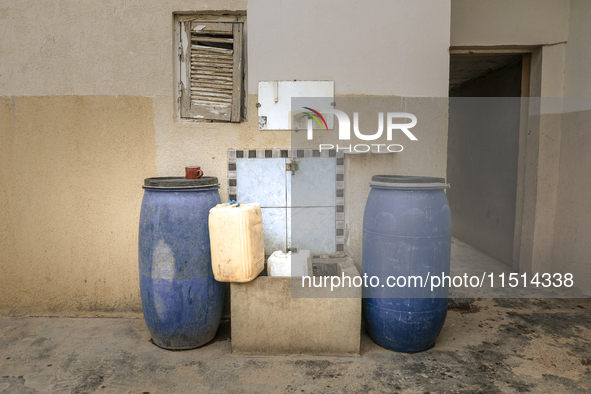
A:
[182,66]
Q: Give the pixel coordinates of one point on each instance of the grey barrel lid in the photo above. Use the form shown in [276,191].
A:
[180,183]
[408,182]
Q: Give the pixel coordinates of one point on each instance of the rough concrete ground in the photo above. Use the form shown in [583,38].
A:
[490,346]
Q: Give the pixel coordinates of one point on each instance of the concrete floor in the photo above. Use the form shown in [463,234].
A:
[488,345]
[467,260]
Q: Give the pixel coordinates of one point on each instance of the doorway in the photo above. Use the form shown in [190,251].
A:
[483,157]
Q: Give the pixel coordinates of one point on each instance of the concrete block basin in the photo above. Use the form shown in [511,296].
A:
[277,316]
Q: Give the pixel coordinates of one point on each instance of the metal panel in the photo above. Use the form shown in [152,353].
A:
[274,98]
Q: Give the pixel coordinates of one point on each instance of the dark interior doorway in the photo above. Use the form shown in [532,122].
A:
[483,149]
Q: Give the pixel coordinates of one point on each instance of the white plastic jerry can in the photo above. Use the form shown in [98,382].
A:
[236,239]
[289,264]
[279,264]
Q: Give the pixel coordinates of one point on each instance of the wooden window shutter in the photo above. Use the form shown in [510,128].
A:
[211,70]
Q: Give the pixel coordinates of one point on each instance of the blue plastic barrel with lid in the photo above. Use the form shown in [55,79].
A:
[181,300]
[406,241]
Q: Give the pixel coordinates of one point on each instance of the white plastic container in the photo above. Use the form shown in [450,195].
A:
[288,264]
[236,239]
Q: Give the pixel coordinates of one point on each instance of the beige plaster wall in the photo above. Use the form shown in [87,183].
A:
[508,22]
[578,51]
[90,88]
[88,113]
[542,159]
[562,155]
[572,249]
[547,175]
[560,31]
[91,47]
[179,144]
[71,170]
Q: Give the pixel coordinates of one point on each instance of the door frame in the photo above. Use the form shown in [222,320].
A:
[527,158]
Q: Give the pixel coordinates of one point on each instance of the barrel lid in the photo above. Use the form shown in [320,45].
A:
[179,182]
[408,182]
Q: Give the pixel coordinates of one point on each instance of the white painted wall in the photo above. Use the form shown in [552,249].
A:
[375,47]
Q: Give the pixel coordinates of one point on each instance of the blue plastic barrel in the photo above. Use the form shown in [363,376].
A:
[181,300]
[406,235]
